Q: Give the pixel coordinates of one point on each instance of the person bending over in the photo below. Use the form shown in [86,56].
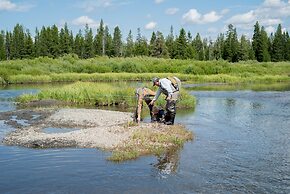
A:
[143,94]
[170,87]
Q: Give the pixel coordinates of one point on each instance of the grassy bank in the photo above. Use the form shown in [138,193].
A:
[111,77]
[69,68]
[100,94]
[146,141]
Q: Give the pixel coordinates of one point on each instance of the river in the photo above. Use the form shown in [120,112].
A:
[241,145]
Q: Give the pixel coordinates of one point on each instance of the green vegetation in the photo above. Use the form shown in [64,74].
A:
[100,94]
[70,68]
[50,41]
[284,86]
[146,141]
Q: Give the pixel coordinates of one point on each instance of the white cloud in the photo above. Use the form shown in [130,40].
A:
[242,18]
[7,5]
[211,17]
[83,20]
[171,11]
[191,17]
[225,11]
[150,25]
[269,22]
[273,3]
[269,13]
[194,17]
[270,29]
[212,30]
[158,1]
[92,5]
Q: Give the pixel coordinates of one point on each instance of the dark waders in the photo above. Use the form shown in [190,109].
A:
[171,108]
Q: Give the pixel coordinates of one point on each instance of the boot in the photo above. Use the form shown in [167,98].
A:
[171,120]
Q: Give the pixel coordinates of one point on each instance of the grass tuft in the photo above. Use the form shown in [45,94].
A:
[156,140]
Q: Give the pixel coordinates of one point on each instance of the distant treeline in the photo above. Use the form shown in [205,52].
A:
[54,42]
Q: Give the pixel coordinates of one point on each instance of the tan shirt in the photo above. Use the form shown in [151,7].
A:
[141,94]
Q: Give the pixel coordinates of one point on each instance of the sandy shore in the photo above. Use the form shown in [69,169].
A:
[90,128]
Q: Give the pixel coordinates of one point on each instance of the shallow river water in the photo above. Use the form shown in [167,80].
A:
[241,145]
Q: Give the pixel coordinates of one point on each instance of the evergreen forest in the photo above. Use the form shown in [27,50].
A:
[54,42]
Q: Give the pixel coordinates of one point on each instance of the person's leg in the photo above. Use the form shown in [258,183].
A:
[170,112]
[171,108]
[148,100]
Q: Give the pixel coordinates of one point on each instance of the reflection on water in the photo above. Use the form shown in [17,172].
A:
[168,162]
[241,145]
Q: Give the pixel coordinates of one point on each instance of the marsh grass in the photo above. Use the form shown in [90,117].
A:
[2,81]
[157,141]
[284,86]
[115,77]
[99,94]
[70,69]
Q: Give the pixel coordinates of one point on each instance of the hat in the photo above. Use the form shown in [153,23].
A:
[154,80]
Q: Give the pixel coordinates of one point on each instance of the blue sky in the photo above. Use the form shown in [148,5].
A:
[208,17]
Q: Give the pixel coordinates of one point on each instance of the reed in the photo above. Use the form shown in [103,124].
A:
[99,94]
[70,68]
[115,77]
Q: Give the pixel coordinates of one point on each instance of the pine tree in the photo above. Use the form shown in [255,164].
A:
[190,51]
[129,48]
[256,44]
[231,45]
[265,45]
[159,47]
[277,49]
[79,47]
[99,40]
[206,49]
[65,40]
[8,42]
[287,57]
[181,45]
[218,47]
[17,42]
[151,44]
[2,46]
[117,42]
[109,48]
[285,40]
[198,45]
[88,43]
[170,44]
[141,46]
[243,52]
[28,44]
[44,42]
[54,45]
[36,49]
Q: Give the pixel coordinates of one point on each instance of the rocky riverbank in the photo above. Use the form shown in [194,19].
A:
[90,128]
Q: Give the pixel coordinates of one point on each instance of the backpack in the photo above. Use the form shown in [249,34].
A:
[175,82]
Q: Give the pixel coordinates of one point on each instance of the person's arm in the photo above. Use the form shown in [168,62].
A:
[157,94]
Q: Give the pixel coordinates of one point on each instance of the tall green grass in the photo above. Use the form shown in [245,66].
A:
[100,94]
[2,81]
[70,68]
[113,77]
